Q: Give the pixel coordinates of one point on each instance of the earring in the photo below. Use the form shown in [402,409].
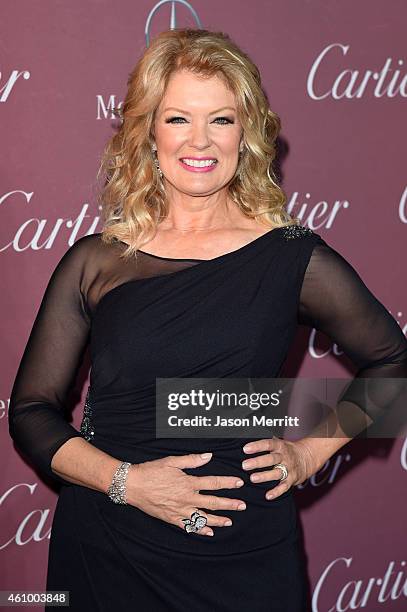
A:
[157,164]
[241,147]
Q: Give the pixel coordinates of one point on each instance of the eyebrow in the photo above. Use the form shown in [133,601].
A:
[184,112]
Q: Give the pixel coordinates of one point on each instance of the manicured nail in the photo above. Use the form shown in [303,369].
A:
[206,455]
[239,483]
[242,506]
[210,533]
[228,523]
[254,477]
[247,448]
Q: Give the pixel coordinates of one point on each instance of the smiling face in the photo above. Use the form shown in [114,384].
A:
[197,133]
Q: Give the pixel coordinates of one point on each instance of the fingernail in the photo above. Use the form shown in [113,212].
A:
[210,533]
[206,455]
[228,523]
[247,448]
[242,506]
[239,483]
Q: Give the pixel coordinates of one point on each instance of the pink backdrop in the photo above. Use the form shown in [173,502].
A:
[334,72]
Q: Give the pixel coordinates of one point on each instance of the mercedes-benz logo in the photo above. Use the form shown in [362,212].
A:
[173,18]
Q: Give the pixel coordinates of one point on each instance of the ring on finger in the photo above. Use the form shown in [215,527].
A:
[283,469]
[195,523]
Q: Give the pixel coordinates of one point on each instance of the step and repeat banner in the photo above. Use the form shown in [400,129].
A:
[335,72]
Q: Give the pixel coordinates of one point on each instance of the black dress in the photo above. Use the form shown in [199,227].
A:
[231,316]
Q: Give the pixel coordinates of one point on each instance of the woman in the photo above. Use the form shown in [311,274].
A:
[222,280]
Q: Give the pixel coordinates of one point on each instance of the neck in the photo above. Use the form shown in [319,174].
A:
[199,214]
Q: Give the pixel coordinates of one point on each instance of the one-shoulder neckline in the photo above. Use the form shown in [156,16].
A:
[201,264]
[237,251]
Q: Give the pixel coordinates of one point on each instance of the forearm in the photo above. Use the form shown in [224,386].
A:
[79,462]
[334,432]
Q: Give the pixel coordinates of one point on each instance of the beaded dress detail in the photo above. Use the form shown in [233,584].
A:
[86,427]
[296,231]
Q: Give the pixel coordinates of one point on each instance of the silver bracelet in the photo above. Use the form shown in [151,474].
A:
[117,490]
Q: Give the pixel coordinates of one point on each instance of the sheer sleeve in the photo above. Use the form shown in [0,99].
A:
[335,301]
[49,365]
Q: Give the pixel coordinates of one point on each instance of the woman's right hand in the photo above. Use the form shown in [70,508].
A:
[161,488]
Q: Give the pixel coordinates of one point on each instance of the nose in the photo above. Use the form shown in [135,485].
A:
[199,136]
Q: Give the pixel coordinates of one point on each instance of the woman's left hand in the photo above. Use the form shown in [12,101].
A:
[296,456]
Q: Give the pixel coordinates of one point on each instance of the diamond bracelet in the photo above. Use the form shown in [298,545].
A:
[117,490]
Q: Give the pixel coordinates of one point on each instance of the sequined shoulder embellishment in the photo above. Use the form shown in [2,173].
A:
[87,429]
[296,231]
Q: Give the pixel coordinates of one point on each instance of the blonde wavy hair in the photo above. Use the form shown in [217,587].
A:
[133,199]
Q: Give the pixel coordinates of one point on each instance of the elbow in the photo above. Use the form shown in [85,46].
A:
[14,416]
[20,427]
[16,428]
[12,421]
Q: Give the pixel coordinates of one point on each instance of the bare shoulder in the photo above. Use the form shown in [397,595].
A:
[289,231]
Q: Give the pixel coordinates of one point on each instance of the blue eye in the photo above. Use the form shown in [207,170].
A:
[174,120]
[224,119]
